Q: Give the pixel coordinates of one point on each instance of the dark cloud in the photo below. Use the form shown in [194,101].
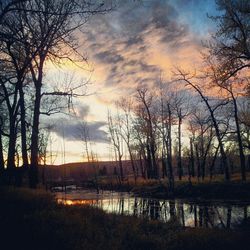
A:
[72,130]
[136,40]
[144,81]
[147,67]
[119,40]
[163,13]
[109,57]
[174,34]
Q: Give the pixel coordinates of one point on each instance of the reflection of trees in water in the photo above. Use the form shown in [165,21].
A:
[121,206]
[187,214]
[135,209]
[154,208]
[193,210]
[229,216]
[245,212]
[180,213]
[211,216]
[172,210]
[146,208]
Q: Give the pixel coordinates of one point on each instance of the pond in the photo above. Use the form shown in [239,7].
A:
[209,214]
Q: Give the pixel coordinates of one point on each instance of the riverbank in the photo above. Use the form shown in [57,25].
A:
[33,220]
[216,189]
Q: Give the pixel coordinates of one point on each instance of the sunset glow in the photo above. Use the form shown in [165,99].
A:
[131,46]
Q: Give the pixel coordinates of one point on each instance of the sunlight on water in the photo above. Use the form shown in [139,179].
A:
[76,202]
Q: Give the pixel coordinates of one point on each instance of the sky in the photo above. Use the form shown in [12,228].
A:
[130,46]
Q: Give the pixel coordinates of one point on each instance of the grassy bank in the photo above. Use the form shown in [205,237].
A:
[207,189]
[32,220]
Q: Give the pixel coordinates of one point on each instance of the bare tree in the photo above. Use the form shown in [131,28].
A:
[83,134]
[114,126]
[3,122]
[140,145]
[244,118]
[202,137]
[188,79]
[229,54]
[127,129]
[45,33]
[233,92]
[17,61]
[181,108]
[11,100]
[231,45]
[145,105]
[192,137]
[167,121]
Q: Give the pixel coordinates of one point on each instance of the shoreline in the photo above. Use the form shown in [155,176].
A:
[234,190]
[200,200]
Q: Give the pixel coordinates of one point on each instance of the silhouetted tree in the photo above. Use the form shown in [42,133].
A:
[230,45]
[145,105]
[44,32]
[233,91]
[181,109]
[186,77]
[127,129]
[114,127]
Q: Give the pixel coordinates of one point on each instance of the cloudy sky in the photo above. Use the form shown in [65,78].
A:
[132,45]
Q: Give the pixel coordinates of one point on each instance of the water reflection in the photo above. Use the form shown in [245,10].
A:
[192,214]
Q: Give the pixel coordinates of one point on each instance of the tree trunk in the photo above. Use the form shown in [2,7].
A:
[189,171]
[1,155]
[241,151]
[164,165]
[12,144]
[153,158]
[149,163]
[120,166]
[198,162]
[33,175]
[132,163]
[143,174]
[169,150]
[23,128]
[204,157]
[37,79]
[211,169]
[192,157]
[180,169]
